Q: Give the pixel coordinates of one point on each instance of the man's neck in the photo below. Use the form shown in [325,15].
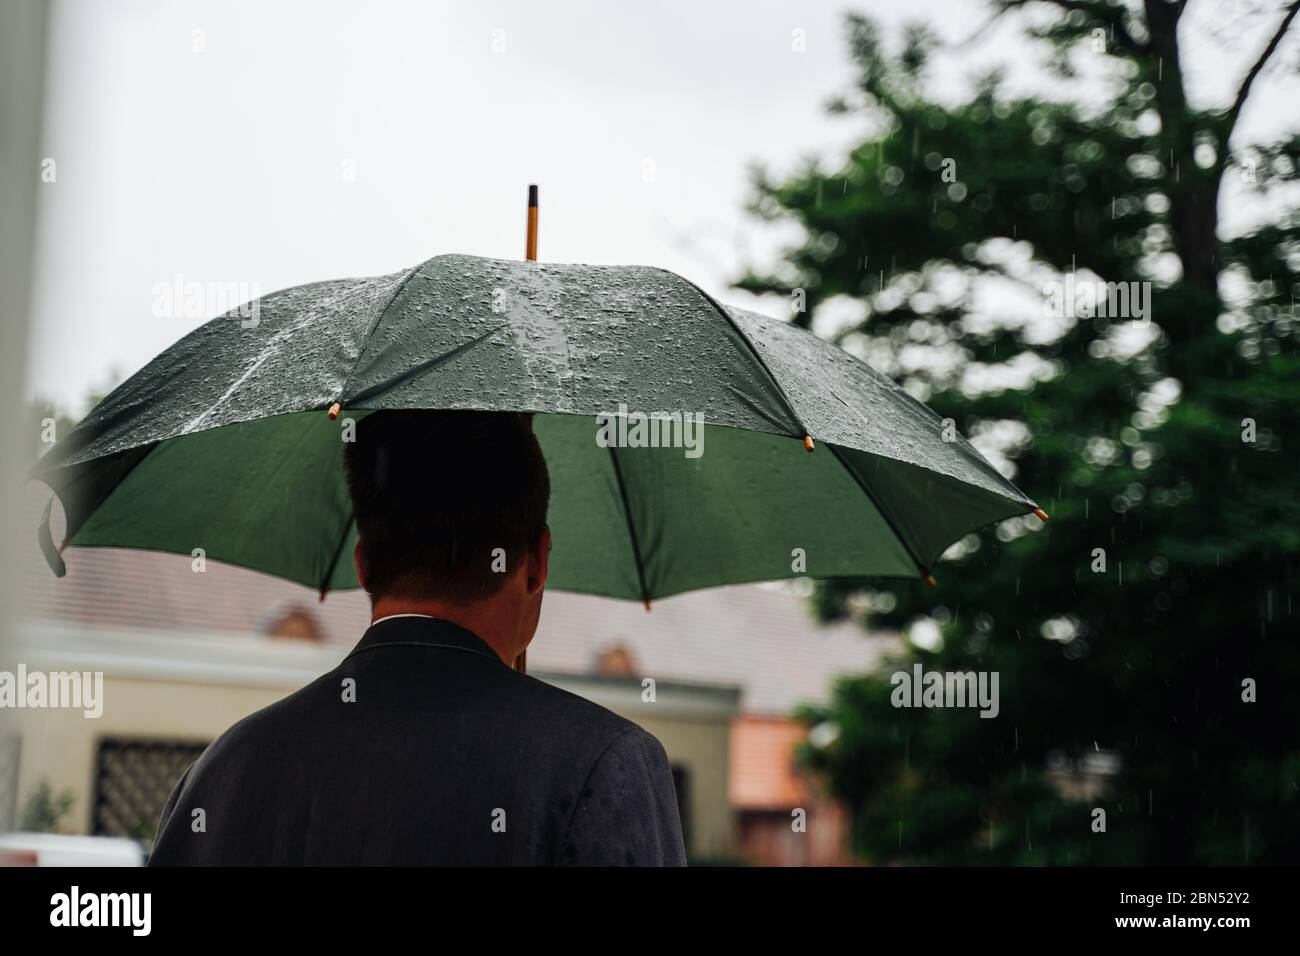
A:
[485,619]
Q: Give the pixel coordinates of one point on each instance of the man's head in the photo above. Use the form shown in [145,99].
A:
[451,511]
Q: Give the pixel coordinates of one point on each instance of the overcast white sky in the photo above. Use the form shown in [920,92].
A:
[228,164]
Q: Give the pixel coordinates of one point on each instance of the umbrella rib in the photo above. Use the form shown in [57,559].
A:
[368,393]
[631,527]
[365,346]
[753,350]
[69,532]
[338,551]
[875,502]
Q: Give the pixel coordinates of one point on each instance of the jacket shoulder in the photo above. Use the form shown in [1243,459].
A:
[266,729]
[578,712]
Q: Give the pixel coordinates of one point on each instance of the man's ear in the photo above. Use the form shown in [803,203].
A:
[539,562]
[356,561]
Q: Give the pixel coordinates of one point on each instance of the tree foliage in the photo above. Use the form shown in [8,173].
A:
[1167,448]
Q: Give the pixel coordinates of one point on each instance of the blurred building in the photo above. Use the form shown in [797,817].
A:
[186,654]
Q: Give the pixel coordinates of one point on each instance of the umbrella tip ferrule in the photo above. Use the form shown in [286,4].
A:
[530,235]
[1041,515]
[321,599]
[928,578]
[334,411]
[808,443]
[646,602]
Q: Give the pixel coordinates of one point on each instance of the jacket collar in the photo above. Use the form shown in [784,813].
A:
[407,630]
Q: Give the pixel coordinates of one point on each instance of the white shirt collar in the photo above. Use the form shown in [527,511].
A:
[389,617]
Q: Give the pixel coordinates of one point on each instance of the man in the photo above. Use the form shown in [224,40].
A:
[425,746]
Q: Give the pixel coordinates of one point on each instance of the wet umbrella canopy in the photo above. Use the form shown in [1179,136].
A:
[224,443]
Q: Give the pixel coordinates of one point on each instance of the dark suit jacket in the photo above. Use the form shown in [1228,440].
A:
[422,747]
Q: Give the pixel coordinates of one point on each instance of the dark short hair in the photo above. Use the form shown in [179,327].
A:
[435,493]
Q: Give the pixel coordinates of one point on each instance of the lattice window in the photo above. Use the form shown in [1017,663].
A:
[133,779]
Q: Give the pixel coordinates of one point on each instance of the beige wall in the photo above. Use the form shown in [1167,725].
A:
[703,747]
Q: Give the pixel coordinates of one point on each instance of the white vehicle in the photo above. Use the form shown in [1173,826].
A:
[55,849]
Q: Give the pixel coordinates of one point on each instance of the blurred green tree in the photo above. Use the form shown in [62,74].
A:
[1127,630]
[44,810]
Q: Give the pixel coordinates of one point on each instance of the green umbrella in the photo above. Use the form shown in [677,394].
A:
[231,440]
